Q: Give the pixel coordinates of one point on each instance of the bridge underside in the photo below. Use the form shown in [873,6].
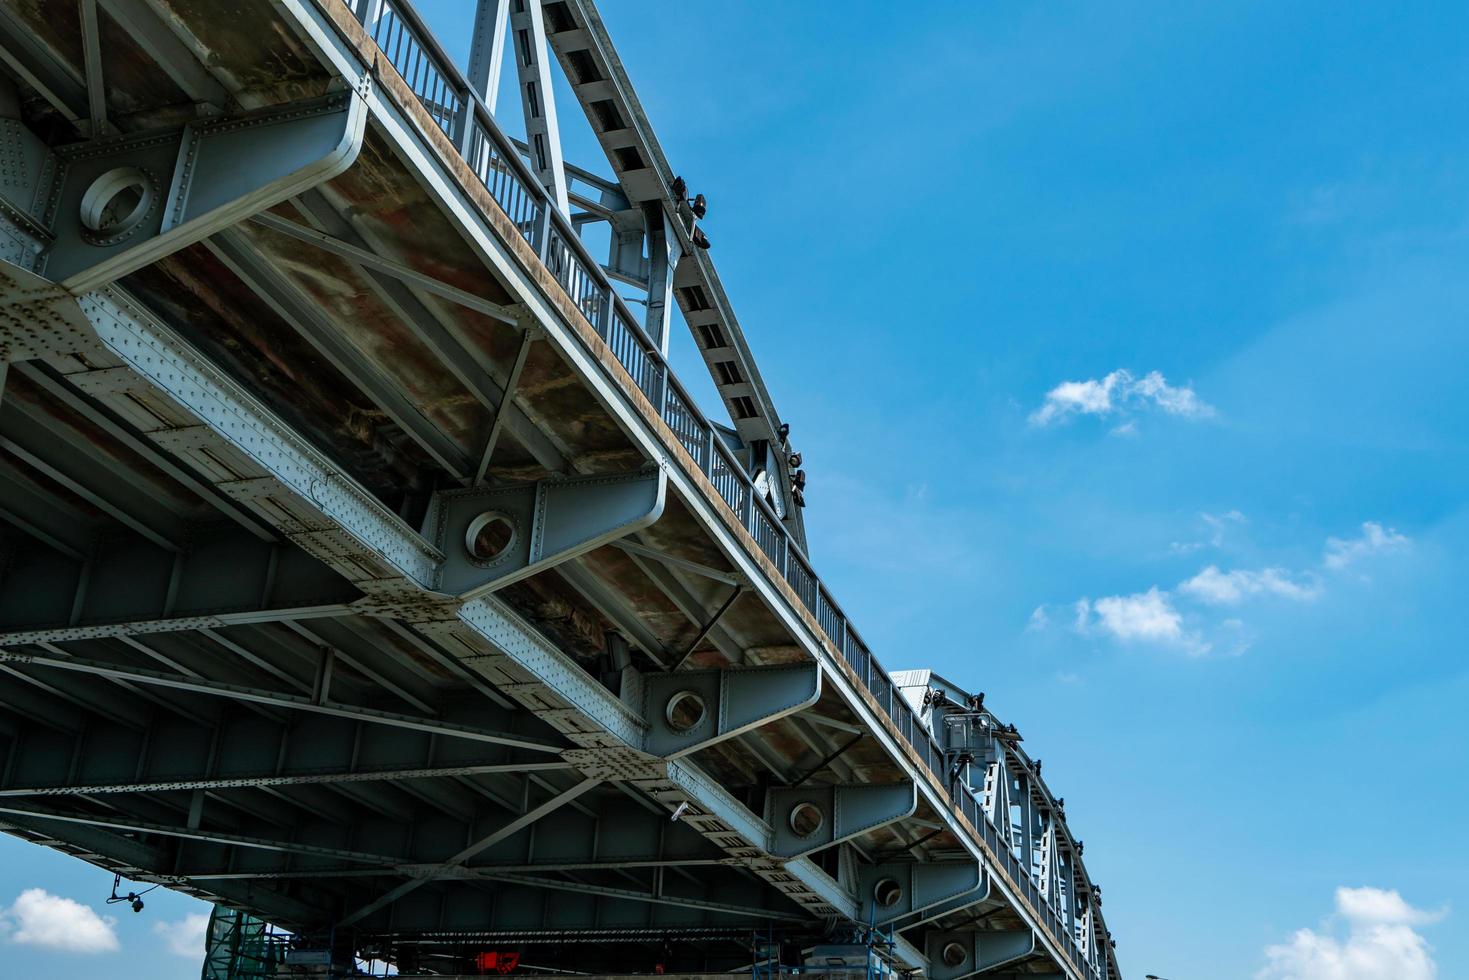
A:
[364,569]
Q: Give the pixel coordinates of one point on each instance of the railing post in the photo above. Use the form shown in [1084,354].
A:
[659,396]
[362,9]
[541,236]
[464,125]
[709,452]
[785,554]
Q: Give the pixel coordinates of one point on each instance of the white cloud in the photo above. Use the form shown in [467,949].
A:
[1116,392]
[38,918]
[1039,620]
[1217,588]
[184,937]
[1175,401]
[1144,616]
[1379,943]
[1374,538]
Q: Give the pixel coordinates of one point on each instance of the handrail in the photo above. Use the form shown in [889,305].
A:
[462,114]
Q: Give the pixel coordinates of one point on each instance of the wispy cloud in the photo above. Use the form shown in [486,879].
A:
[1219,524]
[1216,588]
[1155,616]
[1119,392]
[38,918]
[1343,552]
[184,937]
[1371,937]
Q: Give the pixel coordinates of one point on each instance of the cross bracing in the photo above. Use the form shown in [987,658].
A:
[363,566]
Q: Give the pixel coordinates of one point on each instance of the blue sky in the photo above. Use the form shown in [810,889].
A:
[1223,604]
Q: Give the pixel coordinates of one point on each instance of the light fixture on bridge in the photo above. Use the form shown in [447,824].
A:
[794,461]
[799,480]
[135,899]
[783,433]
[699,205]
[679,811]
[699,238]
[680,188]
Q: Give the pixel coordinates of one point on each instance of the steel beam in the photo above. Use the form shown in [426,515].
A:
[293,306]
[92,62]
[692,710]
[537,98]
[26,54]
[190,183]
[133,588]
[133,825]
[635,896]
[513,827]
[299,779]
[546,522]
[810,818]
[395,285]
[708,626]
[358,254]
[633,547]
[895,890]
[78,393]
[487,49]
[507,401]
[152,33]
[277,699]
[955,955]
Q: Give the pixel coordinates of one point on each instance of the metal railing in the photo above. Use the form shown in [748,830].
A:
[408,44]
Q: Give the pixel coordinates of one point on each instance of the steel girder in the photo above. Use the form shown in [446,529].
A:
[188,183]
[278,699]
[896,890]
[955,955]
[131,587]
[318,507]
[689,711]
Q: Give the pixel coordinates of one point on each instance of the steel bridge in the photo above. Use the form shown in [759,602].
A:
[365,571]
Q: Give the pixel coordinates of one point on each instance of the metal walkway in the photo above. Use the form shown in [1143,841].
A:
[365,570]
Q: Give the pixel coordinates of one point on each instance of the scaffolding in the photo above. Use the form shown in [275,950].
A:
[238,946]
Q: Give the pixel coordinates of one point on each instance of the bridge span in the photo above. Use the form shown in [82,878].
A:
[365,571]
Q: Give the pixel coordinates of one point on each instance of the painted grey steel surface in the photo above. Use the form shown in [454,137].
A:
[298,680]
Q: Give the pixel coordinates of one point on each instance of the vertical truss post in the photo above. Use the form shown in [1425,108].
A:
[662,255]
[528,30]
[487,49]
[92,61]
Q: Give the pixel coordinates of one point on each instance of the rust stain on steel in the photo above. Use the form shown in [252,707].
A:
[337,291]
[203,300]
[19,389]
[261,66]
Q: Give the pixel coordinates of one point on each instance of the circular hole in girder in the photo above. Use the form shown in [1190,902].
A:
[685,711]
[806,819]
[489,536]
[954,954]
[116,201]
[887,892]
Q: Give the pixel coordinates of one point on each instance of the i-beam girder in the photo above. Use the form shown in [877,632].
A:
[278,699]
